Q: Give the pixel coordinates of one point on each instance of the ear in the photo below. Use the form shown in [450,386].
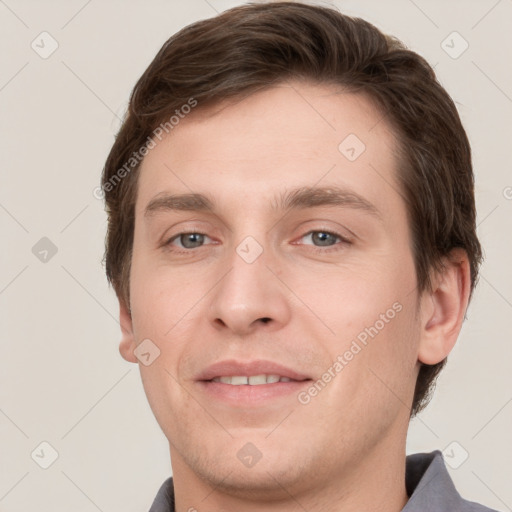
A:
[127,344]
[443,309]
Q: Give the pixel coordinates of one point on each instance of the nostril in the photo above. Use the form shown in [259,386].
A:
[265,319]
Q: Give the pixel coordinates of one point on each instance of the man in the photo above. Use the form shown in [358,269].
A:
[292,241]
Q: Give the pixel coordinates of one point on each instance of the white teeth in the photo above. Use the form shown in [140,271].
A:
[254,380]
[238,380]
[257,379]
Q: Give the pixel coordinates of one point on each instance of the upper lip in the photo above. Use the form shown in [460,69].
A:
[249,369]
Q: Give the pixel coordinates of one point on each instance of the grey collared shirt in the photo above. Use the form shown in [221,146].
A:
[428,484]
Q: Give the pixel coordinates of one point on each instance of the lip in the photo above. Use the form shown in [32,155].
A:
[248,396]
[249,369]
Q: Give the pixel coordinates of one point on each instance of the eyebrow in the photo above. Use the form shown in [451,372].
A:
[294,199]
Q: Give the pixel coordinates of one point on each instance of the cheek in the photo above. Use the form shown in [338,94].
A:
[167,308]
[370,312]
[163,312]
[161,297]
[350,299]
[387,368]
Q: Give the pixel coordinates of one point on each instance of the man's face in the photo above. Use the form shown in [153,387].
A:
[318,282]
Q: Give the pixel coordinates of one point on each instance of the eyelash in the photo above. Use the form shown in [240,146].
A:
[316,248]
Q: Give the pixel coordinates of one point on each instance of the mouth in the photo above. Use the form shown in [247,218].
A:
[250,384]
[253,380]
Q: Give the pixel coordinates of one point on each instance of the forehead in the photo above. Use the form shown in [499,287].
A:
[250,150]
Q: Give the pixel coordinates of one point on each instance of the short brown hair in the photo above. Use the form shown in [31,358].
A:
[254,46]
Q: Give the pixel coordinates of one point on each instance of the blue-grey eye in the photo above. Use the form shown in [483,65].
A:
[322,238]
[190,240]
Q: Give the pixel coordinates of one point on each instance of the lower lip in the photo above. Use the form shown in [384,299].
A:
[246,395]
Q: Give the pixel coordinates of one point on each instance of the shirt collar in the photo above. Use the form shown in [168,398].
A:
[428,484]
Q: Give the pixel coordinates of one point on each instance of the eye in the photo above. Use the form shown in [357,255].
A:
[321,238]
[187,240]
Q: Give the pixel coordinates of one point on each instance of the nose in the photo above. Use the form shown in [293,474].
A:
[249,296]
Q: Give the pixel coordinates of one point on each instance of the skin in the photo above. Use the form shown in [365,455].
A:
[345,449]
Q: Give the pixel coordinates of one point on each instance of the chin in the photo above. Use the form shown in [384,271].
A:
[241,470]
[257,483]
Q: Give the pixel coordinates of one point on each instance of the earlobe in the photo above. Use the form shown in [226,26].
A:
[443,309]
[127,344]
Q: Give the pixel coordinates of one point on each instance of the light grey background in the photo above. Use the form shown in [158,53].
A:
[62,379]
